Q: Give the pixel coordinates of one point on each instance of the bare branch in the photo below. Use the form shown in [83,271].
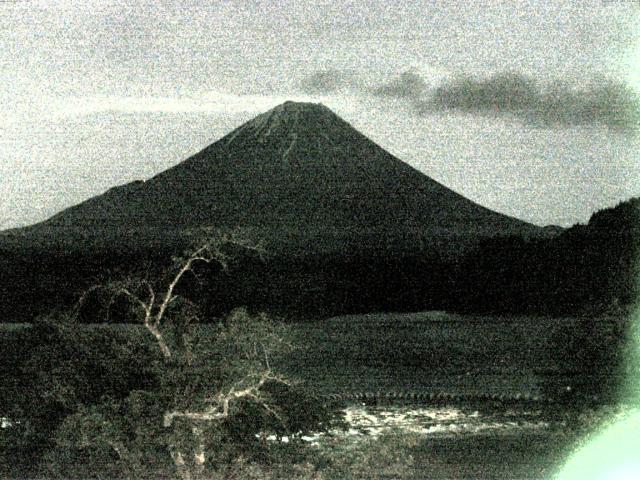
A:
[134,298]
[83,298]
[266,356]
[186,267]
[221,402]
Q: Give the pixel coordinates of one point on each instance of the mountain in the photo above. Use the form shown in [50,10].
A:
[349,227]
[297,171]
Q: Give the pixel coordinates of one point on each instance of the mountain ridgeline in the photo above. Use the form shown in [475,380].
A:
[348,227]
[297,171]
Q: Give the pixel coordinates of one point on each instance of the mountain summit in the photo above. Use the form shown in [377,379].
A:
[299,171]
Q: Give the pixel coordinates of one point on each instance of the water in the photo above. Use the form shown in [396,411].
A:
[372,421]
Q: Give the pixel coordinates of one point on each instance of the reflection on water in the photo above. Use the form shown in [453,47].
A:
[371,421]
[375,421]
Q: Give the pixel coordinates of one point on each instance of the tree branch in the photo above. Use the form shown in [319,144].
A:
[220,409]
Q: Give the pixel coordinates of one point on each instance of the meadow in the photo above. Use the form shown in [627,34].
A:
[436,352]
[520,375]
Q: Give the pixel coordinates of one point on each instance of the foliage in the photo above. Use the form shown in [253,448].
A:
[172,401]
[56,369]
[375,458]
[95,403]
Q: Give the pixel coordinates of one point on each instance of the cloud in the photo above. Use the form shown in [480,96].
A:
[505,92]
[612,104]
[211,102]
[408,85]
[326,81]
[559,103]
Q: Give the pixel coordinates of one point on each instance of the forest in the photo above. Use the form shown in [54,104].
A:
[584,269]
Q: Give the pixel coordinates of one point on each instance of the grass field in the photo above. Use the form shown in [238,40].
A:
[437,352]
[433,352]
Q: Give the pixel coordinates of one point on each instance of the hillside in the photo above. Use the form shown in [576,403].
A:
[349,227]
[587,269]
[297,171]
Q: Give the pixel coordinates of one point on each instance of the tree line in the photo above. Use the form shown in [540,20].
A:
[586,269]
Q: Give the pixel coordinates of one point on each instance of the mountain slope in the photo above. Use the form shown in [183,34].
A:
[296,168]
[348,227]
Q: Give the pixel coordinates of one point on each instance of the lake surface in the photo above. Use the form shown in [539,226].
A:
[366,421]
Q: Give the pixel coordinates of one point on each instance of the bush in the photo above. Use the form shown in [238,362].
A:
[60,368]
[90,400]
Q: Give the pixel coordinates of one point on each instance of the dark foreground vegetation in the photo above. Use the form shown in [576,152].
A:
[87,401]
[93,402]
[162,401]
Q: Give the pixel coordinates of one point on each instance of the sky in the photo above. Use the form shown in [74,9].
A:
[531,108]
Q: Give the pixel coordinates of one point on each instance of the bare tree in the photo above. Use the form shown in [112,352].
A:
[217,409]
[154,299]
[156,303]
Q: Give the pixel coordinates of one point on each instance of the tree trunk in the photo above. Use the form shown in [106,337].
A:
[164,348]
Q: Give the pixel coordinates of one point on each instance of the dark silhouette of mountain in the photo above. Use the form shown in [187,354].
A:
[350,227]
[296,171]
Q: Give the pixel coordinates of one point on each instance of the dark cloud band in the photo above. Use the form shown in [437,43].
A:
[324,82]
[560,103]
[408,85]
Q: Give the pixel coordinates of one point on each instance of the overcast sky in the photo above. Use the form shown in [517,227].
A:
[529,108]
